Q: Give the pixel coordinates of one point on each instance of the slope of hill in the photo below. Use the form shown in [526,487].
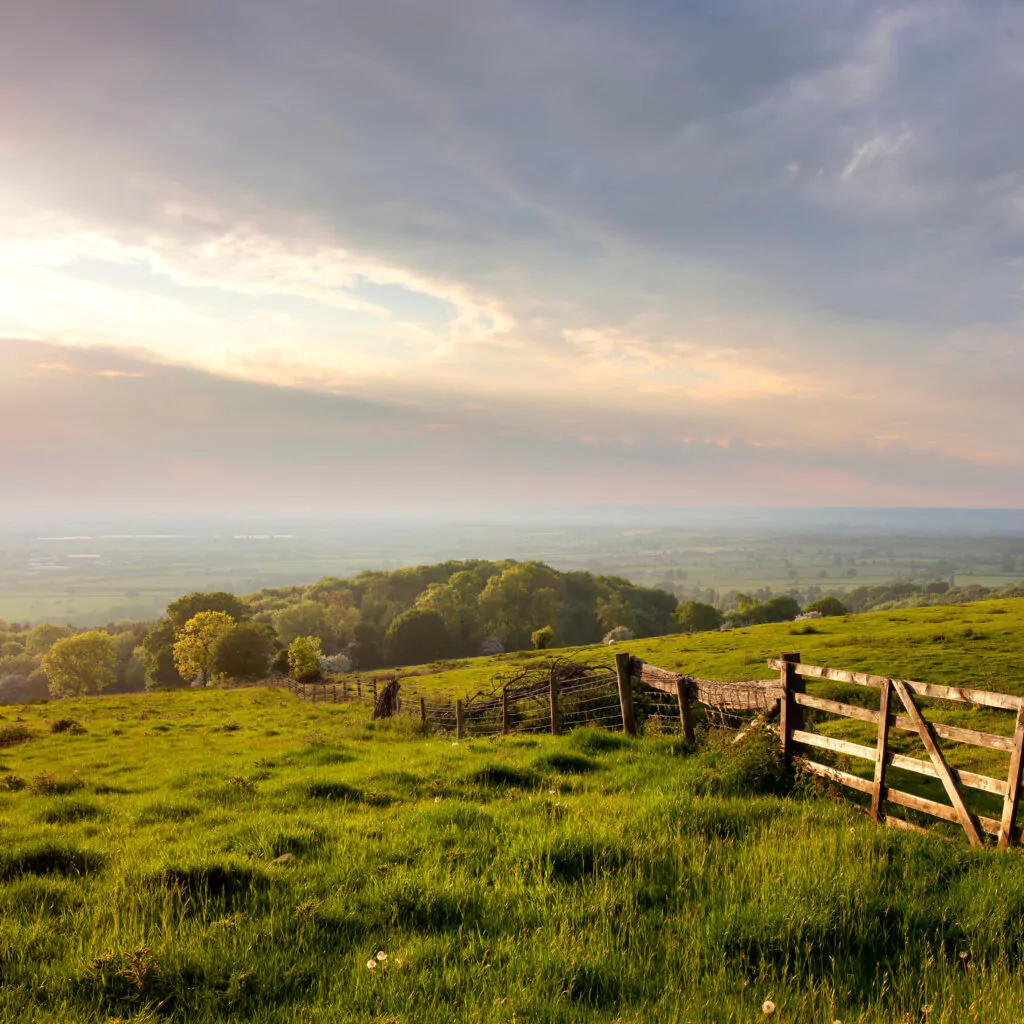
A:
[214,856]
[980,644]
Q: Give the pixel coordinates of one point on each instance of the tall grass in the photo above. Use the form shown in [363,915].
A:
[199,874]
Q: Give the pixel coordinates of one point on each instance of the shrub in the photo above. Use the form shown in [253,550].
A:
[304,656]
[70,725]
[542,638]
[13,734]
[828,606]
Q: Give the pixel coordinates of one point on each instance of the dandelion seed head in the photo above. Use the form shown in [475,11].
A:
[381,956]
[768,1008]
[371,964]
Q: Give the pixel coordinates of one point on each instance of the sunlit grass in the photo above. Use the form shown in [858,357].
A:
[227,856]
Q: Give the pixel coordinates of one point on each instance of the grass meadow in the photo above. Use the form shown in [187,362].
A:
[214,856]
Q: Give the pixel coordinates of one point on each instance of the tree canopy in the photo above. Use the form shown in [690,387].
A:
[81,664]
[195,642]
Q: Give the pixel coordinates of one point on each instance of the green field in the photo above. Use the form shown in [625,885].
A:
[572,879]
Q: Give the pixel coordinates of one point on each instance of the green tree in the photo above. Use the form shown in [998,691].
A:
[307,618]
[416,636]
[193,646]
[185,608]
[697,617]
[828,606]
[156,652]
[44,636]
[542,638]
[304,654]
[80,664]
[243,652]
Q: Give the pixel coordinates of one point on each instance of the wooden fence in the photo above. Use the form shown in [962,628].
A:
[792,732]
[663,700]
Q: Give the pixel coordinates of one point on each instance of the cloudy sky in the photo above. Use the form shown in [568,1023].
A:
[360,254]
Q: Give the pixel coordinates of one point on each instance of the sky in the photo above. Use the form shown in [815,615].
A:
[332,255]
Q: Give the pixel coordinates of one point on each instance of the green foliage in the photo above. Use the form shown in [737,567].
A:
[156,653]
[42,637]
[187,607]
[828,606]
[243,652]
[542,638]
[304,654]
[195,643]
[697,617]
[307,618]
[417,635]
[80,664]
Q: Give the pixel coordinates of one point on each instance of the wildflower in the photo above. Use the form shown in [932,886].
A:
[371,964]
[768,1008]
[551,791]
[437,799]
[381,956]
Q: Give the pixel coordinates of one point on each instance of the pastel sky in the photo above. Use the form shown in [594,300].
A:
[333,254]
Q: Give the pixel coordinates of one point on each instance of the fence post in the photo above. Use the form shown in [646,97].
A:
[553,694]
[344,689]
[334,693]
[1009,820]
[423,712]
[788,708]
[460,725]
[374,685]
[623,674]
[359,688]
[504,711]
[683,697]
[881,752]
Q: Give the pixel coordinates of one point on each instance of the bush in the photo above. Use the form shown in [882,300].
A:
[542,638]
[70,725]
[14,733]
[828,606]
[304,656]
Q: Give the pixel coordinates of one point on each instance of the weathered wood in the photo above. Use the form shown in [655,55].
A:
[624,676]
[747,695]
[788,709]
[344,689]
[504,712]
[812,739]
[685,717]
[460,724]
[937,810]
[834,707]
[423,712]
[945,777]
[906,724]
[964,694]
[359,688]
[553,698]
[1008,824]
[881,749]
[834,774]
[374,685]
[960,776]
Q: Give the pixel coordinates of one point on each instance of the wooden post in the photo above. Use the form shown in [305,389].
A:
[459,723]
[504,712]
[939,763]
[423,712]
[553,694]
[788,708]
[683,697]
[881,752]
[622,672]
[374,685]
[334,692]
[359,688]
[344,689]
[1008,824]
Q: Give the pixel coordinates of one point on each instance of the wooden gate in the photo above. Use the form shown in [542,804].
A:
[792,732]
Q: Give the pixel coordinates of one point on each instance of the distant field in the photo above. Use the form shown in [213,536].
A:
[582,878]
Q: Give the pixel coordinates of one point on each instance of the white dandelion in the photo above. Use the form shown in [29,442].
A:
[381,956]
[371,964]
[768,1008]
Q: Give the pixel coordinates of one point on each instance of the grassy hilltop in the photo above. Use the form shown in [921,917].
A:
[526,879]
[979,644]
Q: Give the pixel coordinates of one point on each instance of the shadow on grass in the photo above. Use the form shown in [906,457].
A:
[48,859]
